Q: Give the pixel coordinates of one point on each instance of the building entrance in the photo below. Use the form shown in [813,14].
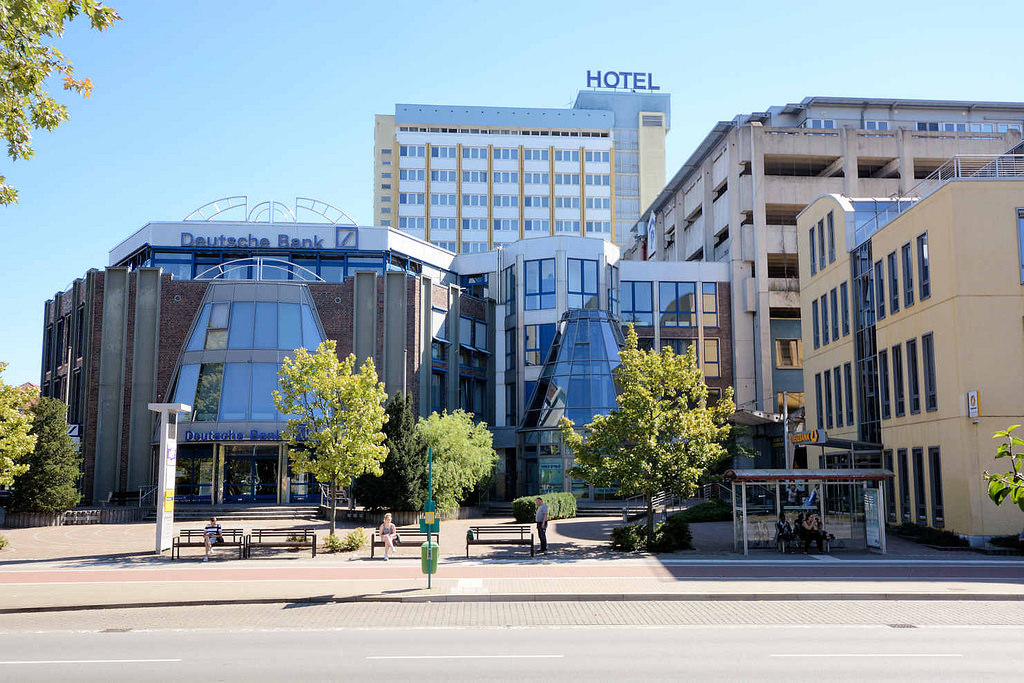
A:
[193,477]
[250,474]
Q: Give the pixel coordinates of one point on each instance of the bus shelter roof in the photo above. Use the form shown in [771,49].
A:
[808,475]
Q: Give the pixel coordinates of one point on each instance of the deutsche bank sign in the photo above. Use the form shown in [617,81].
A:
[626,80]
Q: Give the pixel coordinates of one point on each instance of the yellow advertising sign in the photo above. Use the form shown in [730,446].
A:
[169,500]
[813,437]
[428,517]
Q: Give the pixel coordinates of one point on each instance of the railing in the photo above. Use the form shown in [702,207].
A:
[715,491]
[971,166]
[147,493]
[341,497]
[637,505]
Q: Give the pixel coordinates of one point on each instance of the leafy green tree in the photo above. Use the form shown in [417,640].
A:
[50,485]
[464,456]
[16,439]
[402,486]
[26,62]
[1011,484]
[336,432]
[662,437]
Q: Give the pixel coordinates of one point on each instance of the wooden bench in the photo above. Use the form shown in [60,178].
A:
[193,538]
[500,534]
[411,537]
[280,538]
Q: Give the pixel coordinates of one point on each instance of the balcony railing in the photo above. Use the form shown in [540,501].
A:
[971,166]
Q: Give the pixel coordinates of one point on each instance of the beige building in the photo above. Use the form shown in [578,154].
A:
[736,200]
[913,313]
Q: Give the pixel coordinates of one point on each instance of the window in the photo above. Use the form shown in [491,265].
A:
[410,198]
[890,488]
[835,314]
[509,153]
[438,390]
[897,379]
[837,380]
[831,238]
[821,244]
[207,402]
[474,224]
[412,151]
[824,319]
[510,405]
[540,284]
[814,323]
[913,386]
[846,307]
[908,277]
[442,152]
[535,178]
[567,179]
[883,374]
[819,123]
[505,200]
[385,152]
[789,354]
[437,199]
[443,176]
[474,152]
[567,202]
[894,283]
[678,304]
[818,408]
[828,399]
[923,275]
[848,373]
[506,177]
[931,400]
[879,290]
[536,201]
[709,304]
[595,156]
[537,225]
[506,224]
[567,226]
[567,155]
[582,283]
[597,179]
[474,200]
[599,226]
[535,154]
[474,176]
[598,202]
[473,333]
[814,267]
[935,475]
[1020,242]
[712,361]
[443,223]
[638,303]
[876,125]
[903,473]
[538,340]
[919,496]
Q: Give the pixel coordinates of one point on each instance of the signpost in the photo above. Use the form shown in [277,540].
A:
[167,462]
[429,524]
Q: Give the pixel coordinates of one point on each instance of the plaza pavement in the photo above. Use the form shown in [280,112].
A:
[107,566]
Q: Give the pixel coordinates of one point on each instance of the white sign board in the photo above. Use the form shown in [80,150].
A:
[972,404]
[168,462]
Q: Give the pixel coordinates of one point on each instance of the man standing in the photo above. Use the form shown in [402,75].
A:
[542,524]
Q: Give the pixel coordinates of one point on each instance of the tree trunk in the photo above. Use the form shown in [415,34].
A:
[650,517]
[334,505]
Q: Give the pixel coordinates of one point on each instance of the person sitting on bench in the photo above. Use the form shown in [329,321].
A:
[783,531]
[211,534]
[388,533]
[813,531]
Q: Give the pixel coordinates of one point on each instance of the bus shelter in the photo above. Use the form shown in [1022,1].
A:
[849,501]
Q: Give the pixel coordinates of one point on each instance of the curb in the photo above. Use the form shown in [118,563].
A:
[535,597]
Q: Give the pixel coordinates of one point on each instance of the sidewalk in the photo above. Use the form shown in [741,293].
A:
[82,567]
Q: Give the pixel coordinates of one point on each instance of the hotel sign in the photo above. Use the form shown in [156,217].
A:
[621,80]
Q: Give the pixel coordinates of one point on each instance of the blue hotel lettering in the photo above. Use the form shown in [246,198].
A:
[628,80]
[251,241]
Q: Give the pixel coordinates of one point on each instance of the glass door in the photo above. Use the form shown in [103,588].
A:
[250,474]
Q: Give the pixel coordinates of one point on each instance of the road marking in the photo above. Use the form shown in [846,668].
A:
[89,661]
[466,657]
[880,654]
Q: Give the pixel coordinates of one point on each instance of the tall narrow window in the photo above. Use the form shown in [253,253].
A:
[880,289]
[835,314]
[1020,242]
[814,324]
[935,475]
[908,277]
[903,472]
[540,284]
[818,407]
[931,399]
[845,305]
[789,353]
[838,381]
[923,275]
[814,260]
[897,379]
[848,372]
[821,244]
[913,381]
[831,238]
[709,304]
[920,504]
[824,319]
[828,399]
[890,488]
[883,374]
[894,283]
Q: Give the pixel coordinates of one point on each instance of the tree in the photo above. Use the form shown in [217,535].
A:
[1011,484]
[16,439]
[335,434]
[26,63]
[50,485]
[402,486]
[463,453]
[662,437]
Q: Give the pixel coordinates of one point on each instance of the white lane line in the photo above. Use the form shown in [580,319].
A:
[88,661]
[466,657]
[878,654]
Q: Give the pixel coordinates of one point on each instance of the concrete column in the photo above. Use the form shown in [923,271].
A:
[426,290]
[145,357]
[111,389]
[364,323]
[396,328]
[851,182]
[906,160]
[454,305]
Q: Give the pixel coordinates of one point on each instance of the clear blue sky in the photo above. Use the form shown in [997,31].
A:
[199,100]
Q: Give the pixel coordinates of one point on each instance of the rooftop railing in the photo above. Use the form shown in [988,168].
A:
[971,166]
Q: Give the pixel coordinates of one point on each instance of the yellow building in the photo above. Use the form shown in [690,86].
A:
[915,309]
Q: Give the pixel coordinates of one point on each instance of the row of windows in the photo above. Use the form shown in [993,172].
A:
[923,481]
[537,201]
[817,250]
[567,226]
[678,303]
[598,179]
[831,413]
[894,404]
[839,301]
[450,152]
[567,179]
[599,226]
[537,225]
[907,263]
[945,126]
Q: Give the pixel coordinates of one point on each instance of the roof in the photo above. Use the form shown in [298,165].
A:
[446,115]
[808,475]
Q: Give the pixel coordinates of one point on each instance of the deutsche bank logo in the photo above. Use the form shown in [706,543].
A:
[626,80]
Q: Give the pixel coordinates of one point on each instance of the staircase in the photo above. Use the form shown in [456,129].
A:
[187,513]
[610,508]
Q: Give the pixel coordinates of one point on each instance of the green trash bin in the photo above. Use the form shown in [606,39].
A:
[428,557]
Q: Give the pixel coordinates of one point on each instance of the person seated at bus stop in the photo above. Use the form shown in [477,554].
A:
[783,531]
[813,531]
[211,534]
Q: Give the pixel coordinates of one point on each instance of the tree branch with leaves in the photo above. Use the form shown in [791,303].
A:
[1010,484]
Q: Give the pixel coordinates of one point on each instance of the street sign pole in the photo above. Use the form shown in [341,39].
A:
[430,499]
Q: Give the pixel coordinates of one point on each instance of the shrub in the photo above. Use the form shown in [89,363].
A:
[673,534]
[1012,542]
[630,538]
[353,540]
[929,536]
[708,511]
[3,542]
[560,506]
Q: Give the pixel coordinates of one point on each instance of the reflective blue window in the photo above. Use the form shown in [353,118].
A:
[290,326]
[582,283]
[185,390]
[265,336]
[540,284]
[678,304]
[240,330]
[538,341]
[198,339]
[311,337]
[332,270]
[234,401]
[261,399]
[208,392]
[638,303]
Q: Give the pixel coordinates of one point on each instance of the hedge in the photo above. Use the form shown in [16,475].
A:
[709,511]
[560,506]
[671,535]
[931,536]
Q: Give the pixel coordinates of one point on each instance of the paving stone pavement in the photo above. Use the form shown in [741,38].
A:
[306,616]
